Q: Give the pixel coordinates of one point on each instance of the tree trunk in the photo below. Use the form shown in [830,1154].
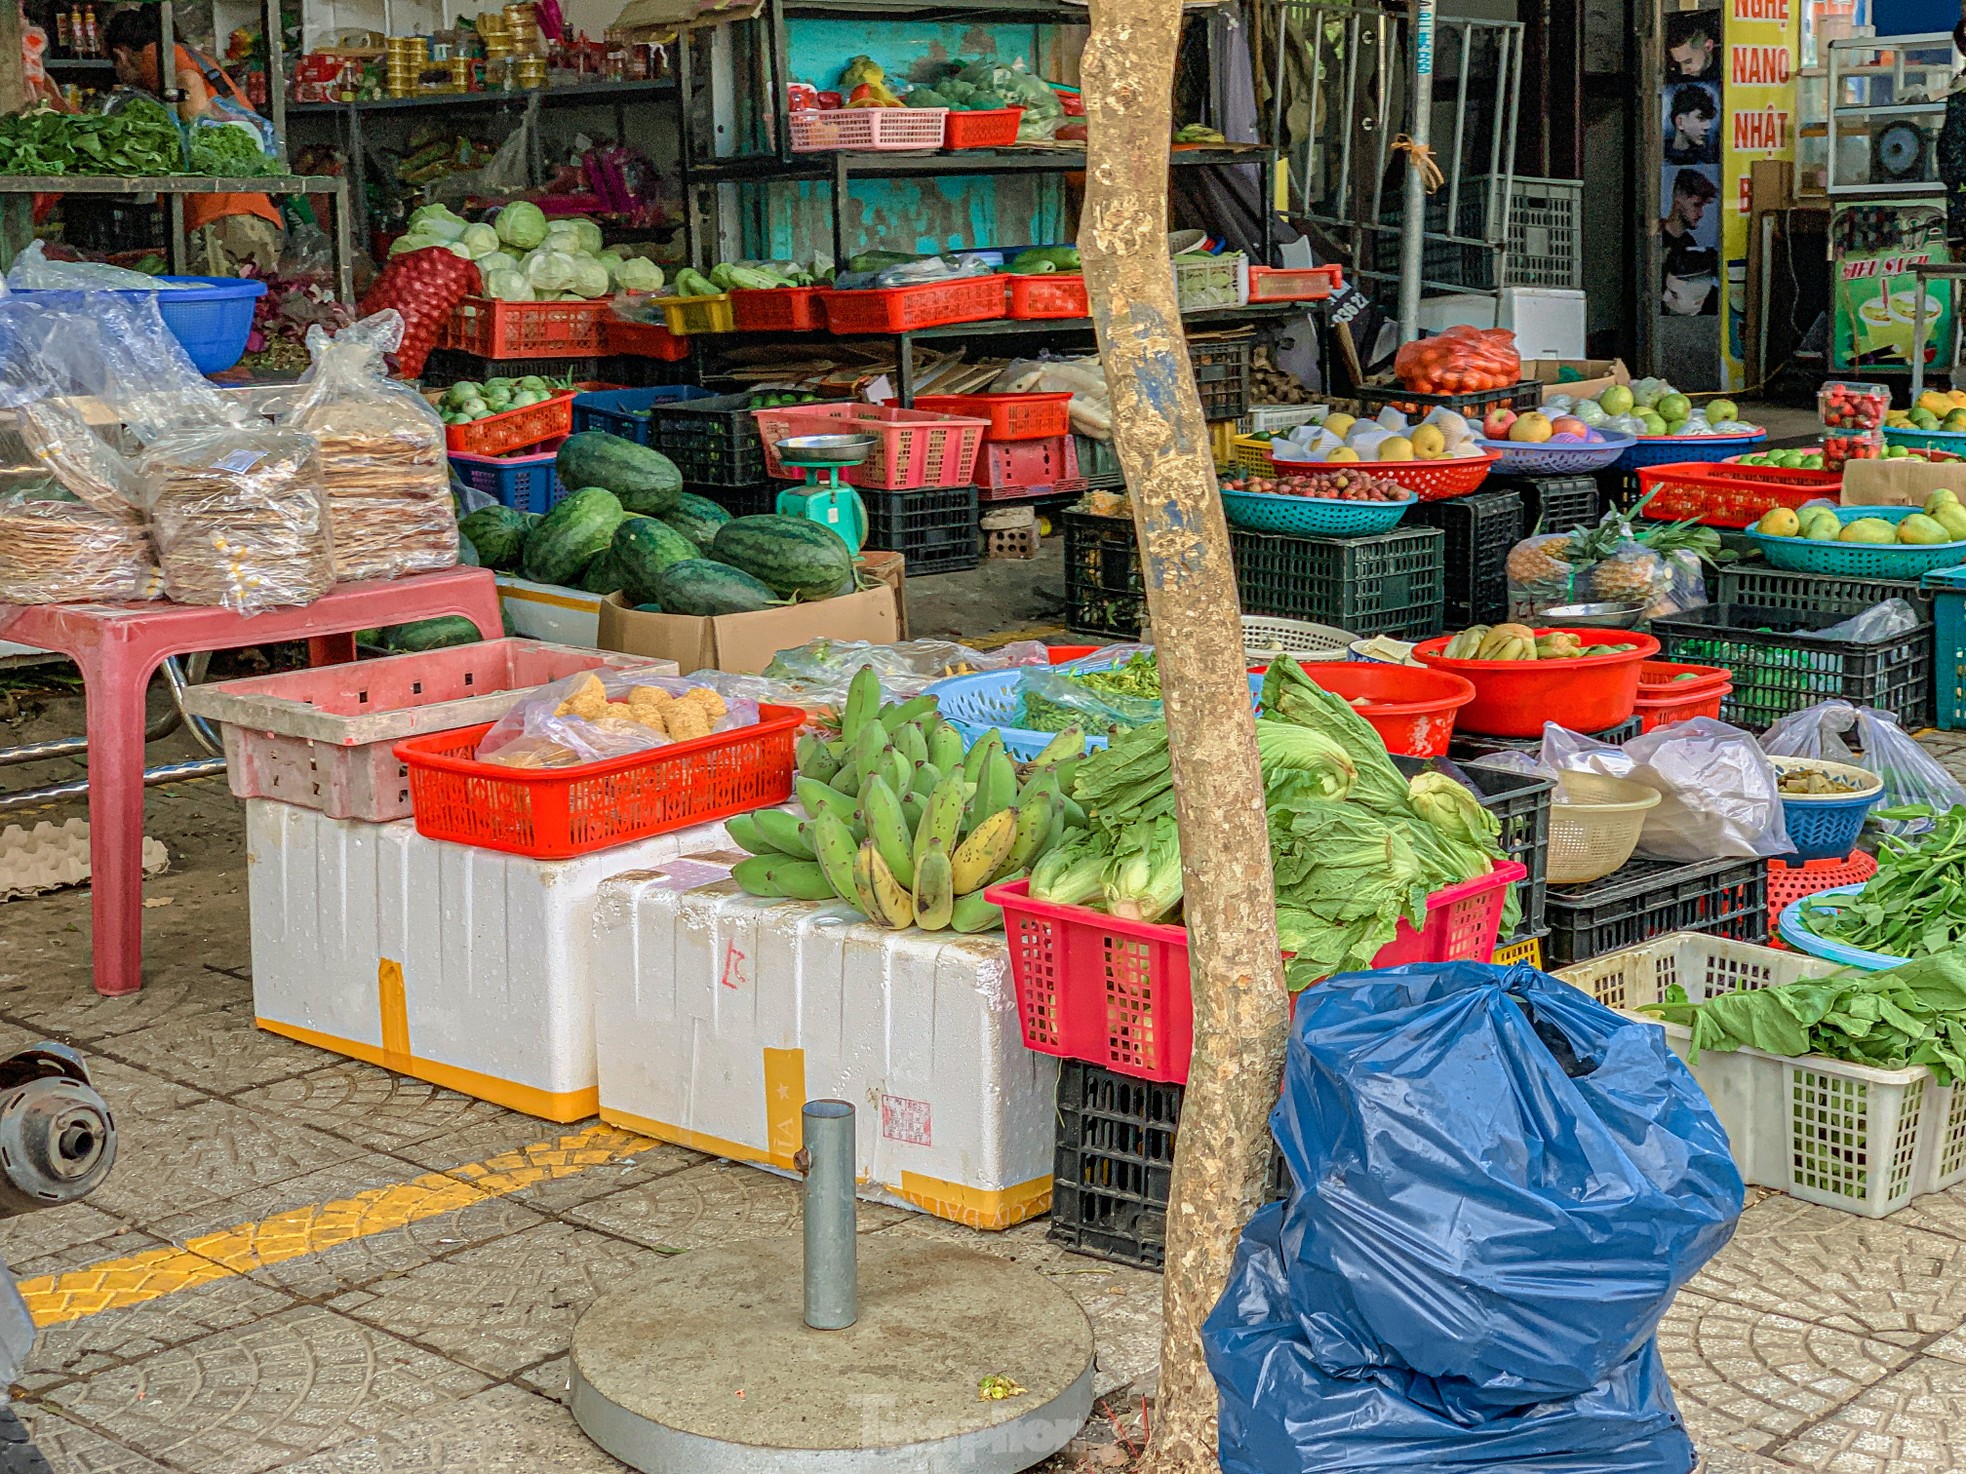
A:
[1222,1152]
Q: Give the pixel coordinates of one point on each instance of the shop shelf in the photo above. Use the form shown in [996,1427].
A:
[933,531]
[1652,898]
[1480,528]
[1386,584]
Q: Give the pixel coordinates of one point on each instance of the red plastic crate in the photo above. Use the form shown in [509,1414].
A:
[1728,494]
[642,340]
[556,813]
[515,429]
[1026,463]
[779,310]
[1054,294]
[1116,993]
[1788,883]
[912,448]
[1664,699]
[991,128]
[1011,416]
[1294,283]
[494,329]
[816,130]
[904,309]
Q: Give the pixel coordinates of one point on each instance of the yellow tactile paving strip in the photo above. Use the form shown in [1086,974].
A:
[115,1283]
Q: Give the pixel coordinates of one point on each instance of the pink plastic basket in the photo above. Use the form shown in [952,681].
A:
[1116,993]
[912,448]
[322,739]
[816,130]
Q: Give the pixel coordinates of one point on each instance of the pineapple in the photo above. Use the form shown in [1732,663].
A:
[1634,576]
[1540,560]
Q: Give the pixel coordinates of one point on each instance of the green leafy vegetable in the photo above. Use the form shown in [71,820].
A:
[1126,695]
[1915,904]
[140,139]
[227,152]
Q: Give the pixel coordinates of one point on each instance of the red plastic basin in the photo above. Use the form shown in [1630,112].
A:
[1514,698]
[1411,707]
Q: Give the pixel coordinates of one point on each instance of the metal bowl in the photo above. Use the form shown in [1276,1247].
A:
[832,450]
[1591,616]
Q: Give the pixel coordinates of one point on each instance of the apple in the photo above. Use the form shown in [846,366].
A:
[1722,410]
[1568,425]
[1496,423]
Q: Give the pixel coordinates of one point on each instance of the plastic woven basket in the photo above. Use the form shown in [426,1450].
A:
[1311,516]
[975,703]
[1860,560]
[924,305]
[1050,295]
[1662,450]
[1729,494]
[1428,480]
[1787,882]
[912,447]
[1952,440]
[1010,416]
[1795,931]
[515,429]
[816,130]
[1826,826]
[1520,458]
[1264,638]
[1595,822]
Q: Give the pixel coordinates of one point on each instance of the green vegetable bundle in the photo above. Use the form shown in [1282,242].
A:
[227,151]
[1114,699]
[140,139]
[1916,903]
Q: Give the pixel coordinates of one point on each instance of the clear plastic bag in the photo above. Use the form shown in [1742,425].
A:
[1911,775]
[1051,699]
[383,462]
[602,714]
[1546,571]
[817,675]
[56,549]
[1879,622]
[34,271]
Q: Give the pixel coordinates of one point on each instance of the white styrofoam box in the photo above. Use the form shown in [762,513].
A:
[466,967]
[1548,322]
[549,611]
[1848,1136]
[724,1014]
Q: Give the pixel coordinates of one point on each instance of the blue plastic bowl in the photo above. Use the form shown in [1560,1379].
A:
[210,320]
[1802,939]
[1532,458]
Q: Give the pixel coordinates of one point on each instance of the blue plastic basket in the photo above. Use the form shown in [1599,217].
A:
[1826,828]
[624,412]
[1952,440]
[527,482]
[1311,516]
[211,317]
[1859,560]
[1666,450]
[1522,458]
[973,704]
[1802,939]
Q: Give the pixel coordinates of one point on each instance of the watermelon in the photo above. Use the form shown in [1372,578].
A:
[467,553]
[604,575]
[642,548]
[643,480]
[797,558]
[576,532]
[499,535]
[700,586]
[697,518]
[430,634]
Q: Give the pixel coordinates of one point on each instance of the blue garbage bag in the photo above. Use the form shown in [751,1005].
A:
[1500,1186]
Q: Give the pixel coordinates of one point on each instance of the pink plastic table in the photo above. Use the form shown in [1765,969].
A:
[120,646]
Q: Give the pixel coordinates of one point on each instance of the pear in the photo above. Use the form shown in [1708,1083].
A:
[1821,525]
[1922,531]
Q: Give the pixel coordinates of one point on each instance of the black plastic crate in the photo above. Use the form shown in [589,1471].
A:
[1099,463]
[1761,587]
[1519,397]
[750,501]
[1222,375]
[447,366]
[1104,596]
[1776,673]
[638,371]
[933,531]
[1521,802]
[1554,503]
[1467,746]
[1480,528]
[1389,583]
[1650,898]
[714,442]
[1114,1161]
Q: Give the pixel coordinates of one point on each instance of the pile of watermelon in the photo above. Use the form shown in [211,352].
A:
[628,527]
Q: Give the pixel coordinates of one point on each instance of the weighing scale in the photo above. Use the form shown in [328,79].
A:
[826,499]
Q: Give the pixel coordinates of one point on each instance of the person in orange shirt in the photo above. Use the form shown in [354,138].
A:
[223,229]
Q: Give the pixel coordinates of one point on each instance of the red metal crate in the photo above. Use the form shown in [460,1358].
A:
[515,429]
[1011,416]
[1053,294]
[556,813]
[642,340]
[904,309]
[1294,283]
[1116,993]
[991,128]
[491,328]
[779,310]
[1727,494]
[912,447]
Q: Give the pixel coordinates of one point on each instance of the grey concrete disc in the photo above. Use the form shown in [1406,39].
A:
[708,1367]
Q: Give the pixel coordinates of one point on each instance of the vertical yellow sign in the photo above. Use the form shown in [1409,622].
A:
[1758,122]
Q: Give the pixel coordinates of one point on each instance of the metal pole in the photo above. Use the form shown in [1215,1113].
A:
[832,1270]
[1413,222]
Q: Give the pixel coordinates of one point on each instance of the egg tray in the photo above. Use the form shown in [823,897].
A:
[51,857]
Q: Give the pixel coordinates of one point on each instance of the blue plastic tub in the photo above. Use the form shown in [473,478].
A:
[1666,450]
[1802,939]
[211,320]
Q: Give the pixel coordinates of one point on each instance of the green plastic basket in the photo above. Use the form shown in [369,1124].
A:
[1860,560]
[1952,440]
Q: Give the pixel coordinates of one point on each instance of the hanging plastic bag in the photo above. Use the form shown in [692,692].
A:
[383,459]
[1508,1183]
[227,138]
[1911,775]
[602,714]
[1111,690]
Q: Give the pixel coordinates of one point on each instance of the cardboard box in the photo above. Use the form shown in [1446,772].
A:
[892,570]
[1771,185]
[747,642]
[1599,374]
[1901,483]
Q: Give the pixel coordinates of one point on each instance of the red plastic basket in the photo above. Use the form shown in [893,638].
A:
[1055,294]
[1787,883]
[1412,709]
[1663,698]
[1116,993]
[515,429]
[778,310]
[1513,698]
[991,128]
[1011,416]
[556,813]
[1728,494]
[491,328]
[912,448]
[904,309]
[642,340]
[1294,283]
[815,130]
[1435,481]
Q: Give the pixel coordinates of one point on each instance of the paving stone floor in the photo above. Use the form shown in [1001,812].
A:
[1816,1341]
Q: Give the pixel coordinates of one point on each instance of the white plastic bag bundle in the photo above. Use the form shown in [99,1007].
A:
[595,715]
[1911,775]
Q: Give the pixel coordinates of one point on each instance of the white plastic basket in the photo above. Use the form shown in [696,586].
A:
[816,130]
[1263,638]
[1212,281]
[1595,822]
[1847,1136]
[1273,417]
